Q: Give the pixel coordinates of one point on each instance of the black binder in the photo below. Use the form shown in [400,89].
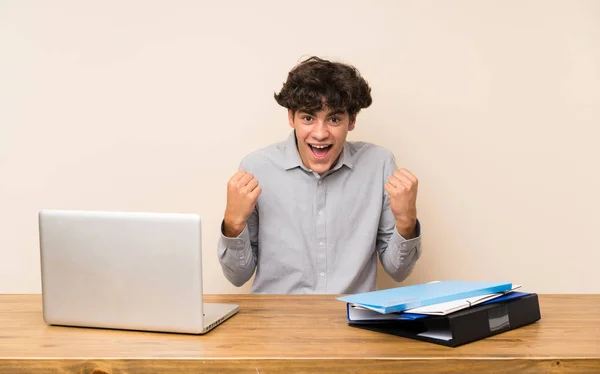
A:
[464,326]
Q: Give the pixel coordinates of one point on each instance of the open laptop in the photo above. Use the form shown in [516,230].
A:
[119,270]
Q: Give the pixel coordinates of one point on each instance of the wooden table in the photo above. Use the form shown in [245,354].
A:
[282,334]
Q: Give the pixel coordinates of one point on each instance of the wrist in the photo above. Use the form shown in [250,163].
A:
[233,228]
[406,228]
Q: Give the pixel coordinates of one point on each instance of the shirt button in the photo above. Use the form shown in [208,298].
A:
[319,181]
[321,244]
[320,212]
[322,274]
[239,241]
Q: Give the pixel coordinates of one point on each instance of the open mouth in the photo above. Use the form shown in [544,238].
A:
[320,151]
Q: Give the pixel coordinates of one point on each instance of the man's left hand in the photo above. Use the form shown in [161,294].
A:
[402,189]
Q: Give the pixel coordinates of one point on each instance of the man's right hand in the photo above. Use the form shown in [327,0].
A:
[242,193]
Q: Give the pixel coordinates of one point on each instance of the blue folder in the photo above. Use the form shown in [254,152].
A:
[369,316]
[398,299]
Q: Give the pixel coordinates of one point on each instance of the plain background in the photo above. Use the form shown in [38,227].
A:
[151,105]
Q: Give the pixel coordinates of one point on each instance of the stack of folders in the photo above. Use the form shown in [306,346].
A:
[449,313]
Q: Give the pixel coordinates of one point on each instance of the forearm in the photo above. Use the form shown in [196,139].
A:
[401,254]
[236,257]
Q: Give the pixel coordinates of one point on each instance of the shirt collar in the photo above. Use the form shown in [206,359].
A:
[293,160]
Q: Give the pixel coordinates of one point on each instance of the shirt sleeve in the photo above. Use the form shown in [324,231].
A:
[397,254]
[237,256]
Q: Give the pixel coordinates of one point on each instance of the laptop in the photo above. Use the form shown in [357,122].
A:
[125,270]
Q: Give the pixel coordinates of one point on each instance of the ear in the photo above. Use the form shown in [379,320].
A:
[291,118]
[352,123]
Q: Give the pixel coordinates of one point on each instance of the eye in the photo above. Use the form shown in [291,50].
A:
[307,118]
[335,119]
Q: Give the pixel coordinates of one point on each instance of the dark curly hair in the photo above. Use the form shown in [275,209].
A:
[315,83]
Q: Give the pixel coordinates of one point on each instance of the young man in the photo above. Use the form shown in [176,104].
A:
[311,214]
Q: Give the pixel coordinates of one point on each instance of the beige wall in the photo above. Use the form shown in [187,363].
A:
[149,106]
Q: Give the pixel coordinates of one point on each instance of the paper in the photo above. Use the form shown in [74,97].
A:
[443,309]
[437,334]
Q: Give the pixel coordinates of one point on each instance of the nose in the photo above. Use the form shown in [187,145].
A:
[320,131]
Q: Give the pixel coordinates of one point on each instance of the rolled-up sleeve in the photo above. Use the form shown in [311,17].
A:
[400,255]
[237,256]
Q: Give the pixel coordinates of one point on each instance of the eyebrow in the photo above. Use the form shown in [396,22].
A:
[312,112]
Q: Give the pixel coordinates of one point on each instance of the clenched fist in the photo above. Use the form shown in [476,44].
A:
[242,193]
[402,189]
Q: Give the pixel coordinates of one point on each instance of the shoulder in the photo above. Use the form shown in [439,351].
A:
[263,158]
[369,153]
[372,161]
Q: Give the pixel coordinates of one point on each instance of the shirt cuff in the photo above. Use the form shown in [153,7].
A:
[409,250]
[237,243]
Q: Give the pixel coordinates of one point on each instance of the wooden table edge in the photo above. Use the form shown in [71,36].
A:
[508,365]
